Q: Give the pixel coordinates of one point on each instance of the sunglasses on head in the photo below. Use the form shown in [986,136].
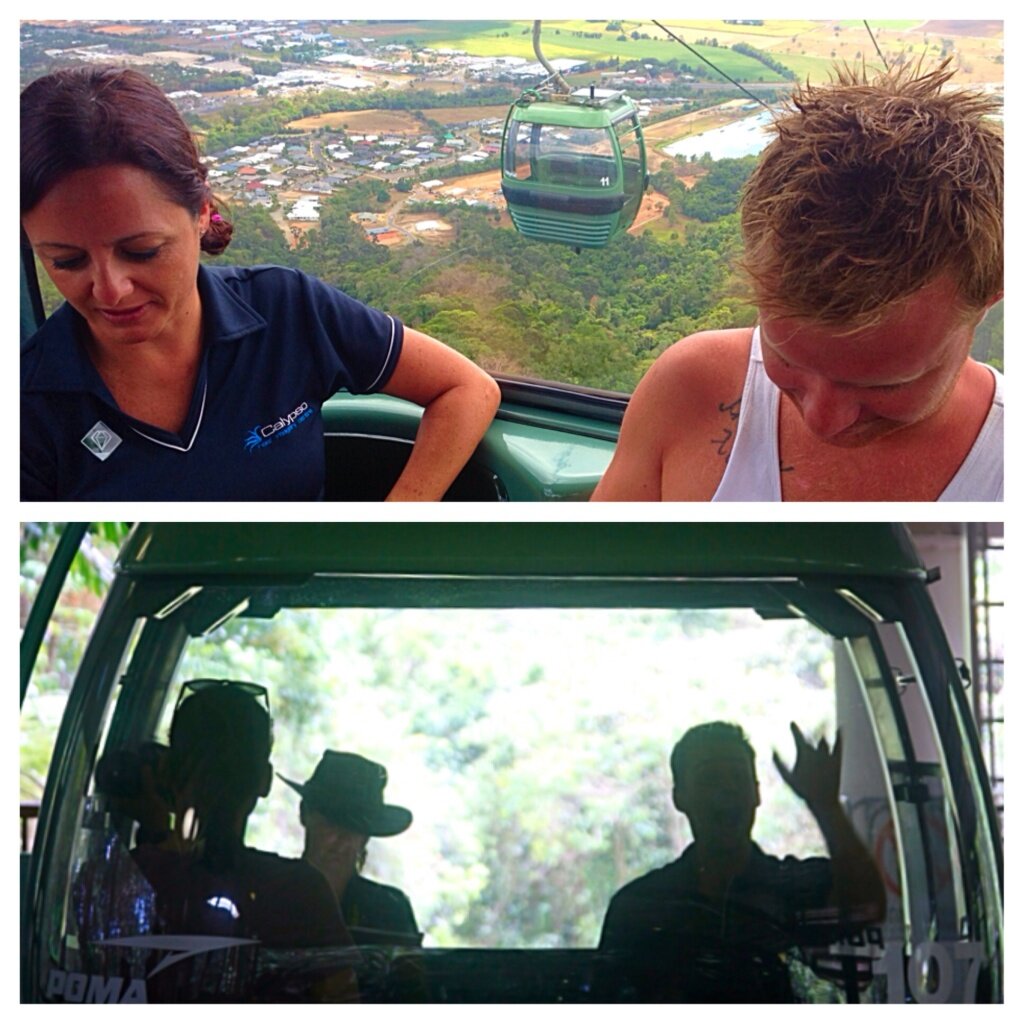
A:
[200,685]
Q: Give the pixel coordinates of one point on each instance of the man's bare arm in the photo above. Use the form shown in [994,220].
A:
[857,888]
[634,474]
[678,427]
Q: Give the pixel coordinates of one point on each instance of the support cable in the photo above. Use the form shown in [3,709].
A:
[757,99]
[878,49]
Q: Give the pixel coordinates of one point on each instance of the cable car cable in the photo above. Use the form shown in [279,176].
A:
[878,49]
[434,263]
[683,42]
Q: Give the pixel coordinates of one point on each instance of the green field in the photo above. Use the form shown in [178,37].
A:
[515,39]
[691,28]
[566,39]
[808,68]
[427,33]
[896,25]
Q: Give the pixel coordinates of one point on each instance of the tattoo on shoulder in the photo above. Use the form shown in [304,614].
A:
[730,414]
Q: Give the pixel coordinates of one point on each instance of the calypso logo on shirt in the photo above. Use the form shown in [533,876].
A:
[260,437]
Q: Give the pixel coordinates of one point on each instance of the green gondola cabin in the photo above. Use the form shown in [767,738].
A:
[574,168]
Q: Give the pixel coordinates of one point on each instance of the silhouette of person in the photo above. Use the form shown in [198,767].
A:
[342,808]
[207,881]
[110,896]
[712,925]
[130,780]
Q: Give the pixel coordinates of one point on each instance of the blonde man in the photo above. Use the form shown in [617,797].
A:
[872,231]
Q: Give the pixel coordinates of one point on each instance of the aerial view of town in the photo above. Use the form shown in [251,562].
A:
[370,153]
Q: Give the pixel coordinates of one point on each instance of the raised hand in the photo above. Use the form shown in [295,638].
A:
[815,775]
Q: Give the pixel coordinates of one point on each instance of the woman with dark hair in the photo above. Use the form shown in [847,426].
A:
[161,378]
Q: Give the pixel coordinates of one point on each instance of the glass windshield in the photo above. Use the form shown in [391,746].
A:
[534,784]
[631,147]
[556,155]
[490,804]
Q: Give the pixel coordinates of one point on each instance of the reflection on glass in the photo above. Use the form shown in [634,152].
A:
[555,155]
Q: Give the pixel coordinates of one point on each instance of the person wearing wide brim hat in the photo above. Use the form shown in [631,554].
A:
[342,809]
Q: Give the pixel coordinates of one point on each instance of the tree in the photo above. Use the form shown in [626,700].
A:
[717,193]
[66,635]
[92,566]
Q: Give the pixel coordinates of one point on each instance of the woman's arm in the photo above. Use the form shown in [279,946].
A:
[459,401]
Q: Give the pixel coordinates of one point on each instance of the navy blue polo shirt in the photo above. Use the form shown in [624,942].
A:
[276,344]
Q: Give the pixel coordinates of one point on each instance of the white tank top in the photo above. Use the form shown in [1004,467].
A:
[752,472]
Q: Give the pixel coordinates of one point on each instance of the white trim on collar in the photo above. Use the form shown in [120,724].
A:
[195,433]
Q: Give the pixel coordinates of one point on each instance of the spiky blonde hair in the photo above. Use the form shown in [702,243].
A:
[874,187]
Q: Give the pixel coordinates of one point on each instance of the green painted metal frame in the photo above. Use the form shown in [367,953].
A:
[591,551]
[540,454]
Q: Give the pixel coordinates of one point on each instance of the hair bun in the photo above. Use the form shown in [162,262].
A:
[217,236]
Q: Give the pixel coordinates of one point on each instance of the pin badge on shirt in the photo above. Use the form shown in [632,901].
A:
[101,440]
